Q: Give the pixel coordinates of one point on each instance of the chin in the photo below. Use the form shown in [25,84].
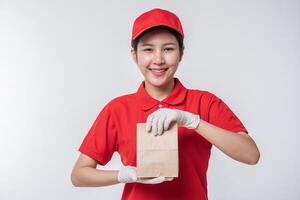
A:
[159,82]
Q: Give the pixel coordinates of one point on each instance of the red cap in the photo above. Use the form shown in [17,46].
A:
[156,17]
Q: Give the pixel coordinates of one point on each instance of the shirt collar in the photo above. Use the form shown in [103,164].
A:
[176,96]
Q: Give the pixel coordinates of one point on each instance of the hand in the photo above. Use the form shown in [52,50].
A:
[128,174]
[161,119]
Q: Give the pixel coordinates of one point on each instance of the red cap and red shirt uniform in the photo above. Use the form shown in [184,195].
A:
[114,130]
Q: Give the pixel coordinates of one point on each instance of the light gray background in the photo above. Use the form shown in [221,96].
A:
[62,61]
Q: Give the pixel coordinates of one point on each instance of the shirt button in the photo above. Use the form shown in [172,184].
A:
[160,105]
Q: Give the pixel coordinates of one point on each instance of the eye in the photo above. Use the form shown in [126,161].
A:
[147,49]
[169,49]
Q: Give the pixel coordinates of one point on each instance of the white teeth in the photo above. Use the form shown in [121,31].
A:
[165,69]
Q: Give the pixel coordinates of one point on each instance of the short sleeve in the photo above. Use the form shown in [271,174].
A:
[220,115]
[101,140]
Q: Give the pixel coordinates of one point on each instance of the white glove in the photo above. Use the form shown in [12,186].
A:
[160,120]
[127,174]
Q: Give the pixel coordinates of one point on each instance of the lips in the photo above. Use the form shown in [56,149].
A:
[158,71]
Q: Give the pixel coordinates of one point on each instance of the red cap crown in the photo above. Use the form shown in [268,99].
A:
[156,17]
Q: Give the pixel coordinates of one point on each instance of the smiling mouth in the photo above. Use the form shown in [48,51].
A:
[158,70]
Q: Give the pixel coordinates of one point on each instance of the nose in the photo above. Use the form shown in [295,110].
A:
[159,58]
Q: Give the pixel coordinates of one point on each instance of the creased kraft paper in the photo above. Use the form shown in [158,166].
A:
[157,155]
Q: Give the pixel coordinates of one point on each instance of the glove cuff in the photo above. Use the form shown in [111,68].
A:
[193,122]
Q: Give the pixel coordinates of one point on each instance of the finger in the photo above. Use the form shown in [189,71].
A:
[155,180]
[169,178]
[144,180]
[154,125]
[167,123]
[160,124]
[159,179]
[149,122]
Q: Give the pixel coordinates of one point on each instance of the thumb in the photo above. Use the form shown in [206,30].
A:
[156,180]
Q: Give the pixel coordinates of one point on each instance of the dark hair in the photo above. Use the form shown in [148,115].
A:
[179,39]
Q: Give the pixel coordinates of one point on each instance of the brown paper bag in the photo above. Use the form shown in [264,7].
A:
[157,155]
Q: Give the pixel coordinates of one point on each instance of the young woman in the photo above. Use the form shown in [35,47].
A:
[161,99]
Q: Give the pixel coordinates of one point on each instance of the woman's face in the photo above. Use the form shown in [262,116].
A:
[157,56]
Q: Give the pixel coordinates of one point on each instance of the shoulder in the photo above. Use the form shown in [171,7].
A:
[121,101]
[202,95]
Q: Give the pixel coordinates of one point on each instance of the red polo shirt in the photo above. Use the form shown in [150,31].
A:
[115,130]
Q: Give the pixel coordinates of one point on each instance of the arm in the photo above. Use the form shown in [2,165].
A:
[85,174]
[239,146]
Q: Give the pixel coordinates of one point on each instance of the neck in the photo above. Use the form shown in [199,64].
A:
[159,93]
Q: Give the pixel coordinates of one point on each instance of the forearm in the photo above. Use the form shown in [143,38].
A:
[237,146]
[92,177]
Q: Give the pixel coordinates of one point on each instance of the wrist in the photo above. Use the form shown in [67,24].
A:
[187,119]
[192,120]
[197,122]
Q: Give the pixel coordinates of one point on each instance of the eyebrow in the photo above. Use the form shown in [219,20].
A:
[169,43]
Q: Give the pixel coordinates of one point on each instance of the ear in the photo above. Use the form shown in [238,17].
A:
[134,55]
